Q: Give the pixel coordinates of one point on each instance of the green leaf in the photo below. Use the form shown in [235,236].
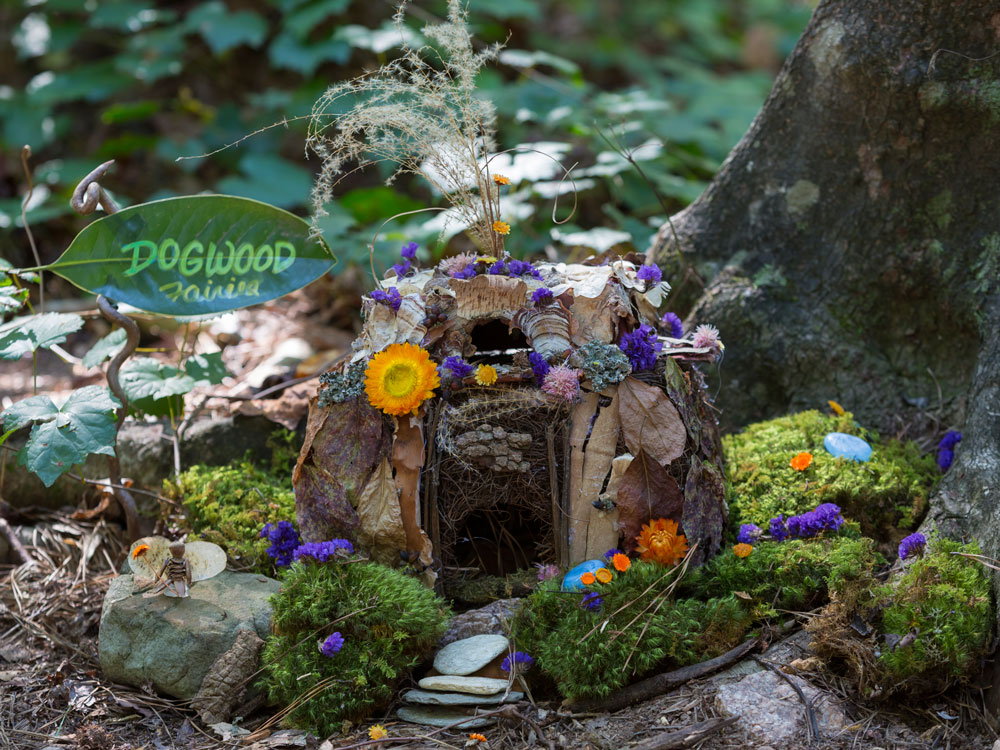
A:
[33,332]
[64,437]
[11,297]
[270,179]
[195,255]
[304,20]
[155,388]
[222,30]
[206,369]
[7,267]
[519,58]
[105,348]
[388,36]
[288,52]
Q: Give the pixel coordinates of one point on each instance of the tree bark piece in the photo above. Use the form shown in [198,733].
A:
[577,510]
[598,454]
[688,736]
[651,687]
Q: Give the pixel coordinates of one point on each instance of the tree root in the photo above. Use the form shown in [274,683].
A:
[688,736]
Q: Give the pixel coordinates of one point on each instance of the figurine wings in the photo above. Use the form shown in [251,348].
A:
[147,555]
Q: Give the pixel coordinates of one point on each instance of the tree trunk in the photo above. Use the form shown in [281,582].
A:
[850,242]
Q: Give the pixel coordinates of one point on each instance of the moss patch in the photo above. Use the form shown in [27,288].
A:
[886,495]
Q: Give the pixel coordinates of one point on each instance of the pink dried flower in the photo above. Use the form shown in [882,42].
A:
[562,382]
[545,572]
[706,335]
[456,263]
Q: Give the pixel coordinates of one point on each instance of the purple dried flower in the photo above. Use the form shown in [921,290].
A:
[323,551]
[390,297]
[468,272]
[650,273]
[611,553]
[825,517]
[912,546]
[539,366]
[522,662]
[497,269]
[673,322]
[332,645]
[405,268]
[951,439]
[542,296]
[946,449]
[750,533]
[284,540]
[457,367]
[409,251]
[641,346]
[592,601]
[523,268]
[777,529]
[945,458]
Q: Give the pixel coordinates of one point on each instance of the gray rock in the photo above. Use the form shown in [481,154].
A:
[173,642]
[795,646]
[771,711]
[435,698]
[471,685]
[489,620]
[470,654]
[441,717]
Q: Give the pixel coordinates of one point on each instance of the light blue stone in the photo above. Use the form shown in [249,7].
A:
[571,581]
[842,445]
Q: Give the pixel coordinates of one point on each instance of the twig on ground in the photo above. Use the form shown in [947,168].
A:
[810,714]
[661,683]
[688,736]
[426,736]
[15,542]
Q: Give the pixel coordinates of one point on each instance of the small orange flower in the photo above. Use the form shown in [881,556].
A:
[587,578]
[621,562]
[742,550]
[377,732]
[837,408]
[477,737]
[501,227]
[604,575]
[139,551]
[660,542]
[801,461]
[499,179]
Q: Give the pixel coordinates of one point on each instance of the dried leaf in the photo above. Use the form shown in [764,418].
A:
[646,492]
[381,525]
[585,281]
[407,460]
[681,393]
[286,410]
[384,327]
[650,422]
[705,511]
[594,318]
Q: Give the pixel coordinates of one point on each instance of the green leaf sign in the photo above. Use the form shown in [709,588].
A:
[196,255]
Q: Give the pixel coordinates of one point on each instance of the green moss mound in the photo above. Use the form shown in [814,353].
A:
[229,505]
[885,495]
[641,629]
[389,622]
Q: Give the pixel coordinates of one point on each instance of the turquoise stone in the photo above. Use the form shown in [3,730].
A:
[842,445]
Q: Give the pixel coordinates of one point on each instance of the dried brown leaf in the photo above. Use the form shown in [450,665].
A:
[650,422]
[646,492]
[381,524]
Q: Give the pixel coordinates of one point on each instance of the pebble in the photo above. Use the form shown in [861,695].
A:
[571,581]
[436,698]
[842,445]
[440,716]
[469,654]
[470,685]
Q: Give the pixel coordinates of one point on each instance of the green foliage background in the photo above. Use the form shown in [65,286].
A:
[146,81]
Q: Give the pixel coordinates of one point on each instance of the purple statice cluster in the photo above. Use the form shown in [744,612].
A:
[409,251]
[610,554]
[331,645]
[497,269]
[912,546]
[750,533]
[825,517]
[652,274]
[389,297]
[946,449]
[323,551]
[456,367]
[522,268]
[538,366]
[284,541]
[672,322]
[408,263]
[520,661]
[465,272]
[641,347]
[542,296]
[592,601]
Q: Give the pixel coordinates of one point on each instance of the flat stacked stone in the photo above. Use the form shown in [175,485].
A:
[458,686]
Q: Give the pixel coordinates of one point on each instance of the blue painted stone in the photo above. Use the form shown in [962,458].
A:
[842,445]
[571,581]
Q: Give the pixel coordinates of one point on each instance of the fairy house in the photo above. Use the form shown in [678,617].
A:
[540,417]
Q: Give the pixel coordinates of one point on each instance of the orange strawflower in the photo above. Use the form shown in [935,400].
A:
[837,408]
[501,227]
[621,562]
[742,550]
[604,575]
[659,542]
[139,551]
[477,737]
[587,578]
[377,732]
[499,179]
[801,461]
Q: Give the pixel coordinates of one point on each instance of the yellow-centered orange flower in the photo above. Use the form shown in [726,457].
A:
[801,461]
[400,378]
[604,575]
[742,550]
[499,179]
[660,542]
[486,375]
[377,732]
[587,578]
[139,551]
[621,562]
[501,227]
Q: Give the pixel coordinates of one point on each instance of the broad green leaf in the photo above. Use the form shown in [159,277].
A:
[7,267]
[288,52]
[63,437]
[11,297]
[222,30]
[195,255]
[145,378]
[105,348]
[304,20]
[270,179]
[206,369]
[33,332]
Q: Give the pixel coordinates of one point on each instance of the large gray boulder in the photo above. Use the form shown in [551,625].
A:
[170,642]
